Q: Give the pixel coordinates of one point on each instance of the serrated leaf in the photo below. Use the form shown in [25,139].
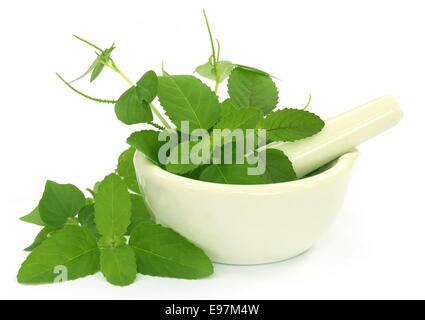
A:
[147,142]
[72,247]
[292,124]
[186,98]
[252,89]
[60,202]
[278,167]
[33,217]
[112,207]
[160,251]
[224,68]
[139,212]
[148,85]
[243,143]
[243,118]
[131,108]
[118,265]
[125,169]
[41,236]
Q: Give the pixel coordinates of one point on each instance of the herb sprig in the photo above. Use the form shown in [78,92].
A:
[86,235]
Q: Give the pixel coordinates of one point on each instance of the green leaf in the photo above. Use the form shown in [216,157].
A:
[60,202]
[251,89]
[195,173]
[112,242]
[186,98]
[292,124]
[183,151]
[224,68]
[131,108]
[95,63]
[148,86]
[99,63]
[104,59]
[206,70]
[96,187]
[96,71]
[72,247]
[139,212]
[147,142]
[243,118]
[278,167]
[86,218]
[41,236]
[226,108]
[163,252]
[230,174]
[112,207]
[125,169]
[118,265]
[33,217]
[221,143]
[240,66]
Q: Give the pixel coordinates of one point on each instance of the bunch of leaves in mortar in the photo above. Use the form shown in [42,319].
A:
[81,236]
[253,96]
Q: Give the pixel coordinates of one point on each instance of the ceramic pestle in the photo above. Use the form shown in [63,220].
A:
[342,134]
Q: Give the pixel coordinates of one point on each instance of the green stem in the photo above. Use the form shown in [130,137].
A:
[211,39]
[159,115]
[216,86]
[122,75]
[308,103]
[153,124]
[91,191]
[114,67]
[217,82]
[89,43]
[215,58]
[218,50]
[84,95]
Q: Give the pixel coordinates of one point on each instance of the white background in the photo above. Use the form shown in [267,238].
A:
[343,52]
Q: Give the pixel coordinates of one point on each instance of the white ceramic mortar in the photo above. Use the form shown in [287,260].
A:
[252,224]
